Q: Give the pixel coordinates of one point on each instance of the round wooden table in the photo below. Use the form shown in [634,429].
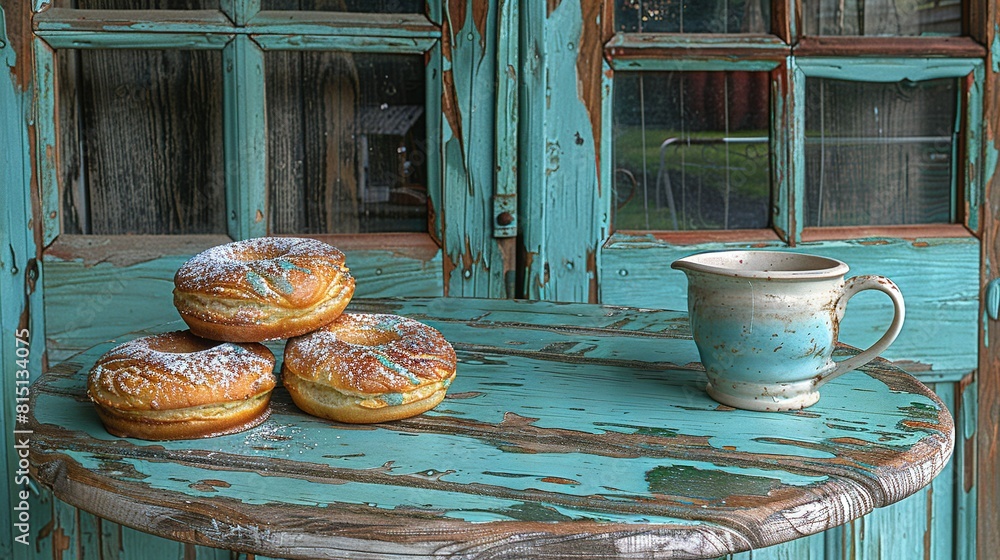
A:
[571,429]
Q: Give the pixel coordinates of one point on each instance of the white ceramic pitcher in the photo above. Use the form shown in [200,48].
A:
[766,324]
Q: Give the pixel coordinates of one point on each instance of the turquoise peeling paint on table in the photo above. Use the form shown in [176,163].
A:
[571,429]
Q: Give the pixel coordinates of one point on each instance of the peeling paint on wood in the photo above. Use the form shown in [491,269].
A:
[474,260]
[518,458]
[986,469]
[563,58]
[22,341]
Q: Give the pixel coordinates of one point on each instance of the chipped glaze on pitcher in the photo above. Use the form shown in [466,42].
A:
[766,324]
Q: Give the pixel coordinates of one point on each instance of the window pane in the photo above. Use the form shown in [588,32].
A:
[368,6]
[347,142]
[691,150]
[141,141]
[705,16]
[879,154]
[882,17]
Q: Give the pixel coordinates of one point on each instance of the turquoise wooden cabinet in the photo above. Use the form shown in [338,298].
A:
[562,150]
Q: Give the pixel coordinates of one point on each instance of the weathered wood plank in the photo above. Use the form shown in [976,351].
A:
[666,52]
[56,23]
[350,43]
[987,32]
[172,101]
[473,263]
[133,40]
[313,153]
[938,278]
[57,19]
[244,138]
[46,139]
[888,70]
[22,342]
[359,24]
[884,47]
[564,205]
[554,440]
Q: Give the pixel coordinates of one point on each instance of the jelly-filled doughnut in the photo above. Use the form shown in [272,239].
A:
[366,368]
[262,289]
[180,386]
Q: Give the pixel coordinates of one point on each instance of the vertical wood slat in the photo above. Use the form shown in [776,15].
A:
[244,138]
[240,11]
[433,89]
[788,153]
[972,171]
[987,14]
[505,225]
[473,261]
[505,188]
[46,139]
[966,443]
[565,210]
[21,235]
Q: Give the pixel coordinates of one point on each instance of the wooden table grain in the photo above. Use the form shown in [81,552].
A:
[570,430]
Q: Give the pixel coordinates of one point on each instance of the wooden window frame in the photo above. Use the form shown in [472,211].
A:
[243,34]
[792,59]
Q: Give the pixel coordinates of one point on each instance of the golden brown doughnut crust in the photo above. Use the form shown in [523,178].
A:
[261,289]
[179,386]
[368,368]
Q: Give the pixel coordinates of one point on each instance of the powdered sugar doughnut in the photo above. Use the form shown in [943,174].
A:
[179,386]
[262,289]
[368,368]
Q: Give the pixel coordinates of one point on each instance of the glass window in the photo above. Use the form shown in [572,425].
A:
[347,142]
[882,17]
[141,141]
[691,150]
[704,16]
[879,153]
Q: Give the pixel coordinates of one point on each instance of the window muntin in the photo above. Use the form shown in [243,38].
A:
[691,150]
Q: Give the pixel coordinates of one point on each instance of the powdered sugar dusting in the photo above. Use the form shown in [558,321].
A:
[373,353]
[138,371]
[263,267]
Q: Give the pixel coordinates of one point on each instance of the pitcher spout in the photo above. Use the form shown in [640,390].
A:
[772,265]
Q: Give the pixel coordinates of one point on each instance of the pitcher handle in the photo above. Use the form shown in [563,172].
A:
[851,287]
